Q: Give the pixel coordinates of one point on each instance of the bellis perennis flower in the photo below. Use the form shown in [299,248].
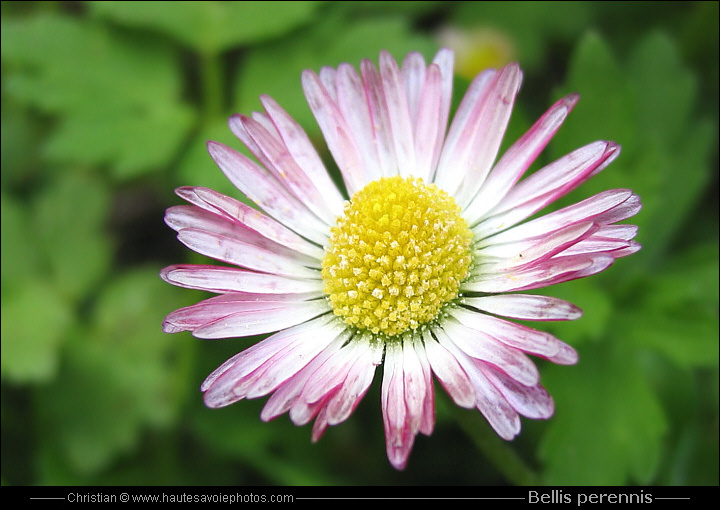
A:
[414,266]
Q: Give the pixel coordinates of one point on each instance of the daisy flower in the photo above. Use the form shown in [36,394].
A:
[414,263]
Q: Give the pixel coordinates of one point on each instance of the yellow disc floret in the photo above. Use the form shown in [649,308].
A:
[396,256]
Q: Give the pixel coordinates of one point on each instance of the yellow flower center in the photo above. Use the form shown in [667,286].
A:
[396,256]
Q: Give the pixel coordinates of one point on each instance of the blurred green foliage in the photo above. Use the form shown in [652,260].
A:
[106,107]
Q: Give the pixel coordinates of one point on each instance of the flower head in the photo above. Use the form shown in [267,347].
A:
[415,265]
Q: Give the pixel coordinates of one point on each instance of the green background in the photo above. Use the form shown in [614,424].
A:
[106,107]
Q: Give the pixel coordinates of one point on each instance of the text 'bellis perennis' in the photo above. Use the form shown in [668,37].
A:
[415,266]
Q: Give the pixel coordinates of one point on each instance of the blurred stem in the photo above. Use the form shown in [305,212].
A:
[498,451]
[212,93]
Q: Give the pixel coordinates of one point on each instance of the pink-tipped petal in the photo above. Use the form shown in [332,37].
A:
[301,150]
[398,438]
[222,279]
[237,212]
[525,307]
[262,189]
[518,158]
[450,374]
[530,401]
[337,132]
[547,185]
[486,349]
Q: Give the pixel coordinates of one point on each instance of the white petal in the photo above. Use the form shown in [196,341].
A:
[244,254]
[489,401]
[302,151]
[448,371]
[261,188]
[547,185]
[356,384]
[529,252]
[398,113]
[525,307]
[446,175]
[275,156]
[517,159]
[427,125]
[222,279]
[485,348]
[515,335]
[398,438]
[489,129]
[262,320]
[596,209]
[238,212]
[531,401]
[271,361]
[193,218]
[338,135]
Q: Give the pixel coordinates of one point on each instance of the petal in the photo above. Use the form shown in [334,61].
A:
[413,76]
[514,335]
[599,209]
[463,172]
[257,321]
[271,362]
[238,212]
[354,107]
[490,128]
[449,373]
[428,414]
[222,279]
[291,387]
[244,254]
[191,318]
[395,100]
[357,382]
[555,270]
[398,437]
[337,133]
[444,59]
[490,402]
[427,125]
[414,385]
[458,136]
[264,190]
[525,307]
[381,130]
[324,376]
[486,349]
[191,218]
[518,158]
[304,154]
[276,157]
[530,401]
[518,255]
[547,185]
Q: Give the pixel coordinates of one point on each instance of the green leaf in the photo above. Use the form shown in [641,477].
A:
[118,96]
[69,222]
[20,259]
[646,107]
[678,312]
[35,320]
[603,112]
[608,425]
[121,375]
[212,27]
